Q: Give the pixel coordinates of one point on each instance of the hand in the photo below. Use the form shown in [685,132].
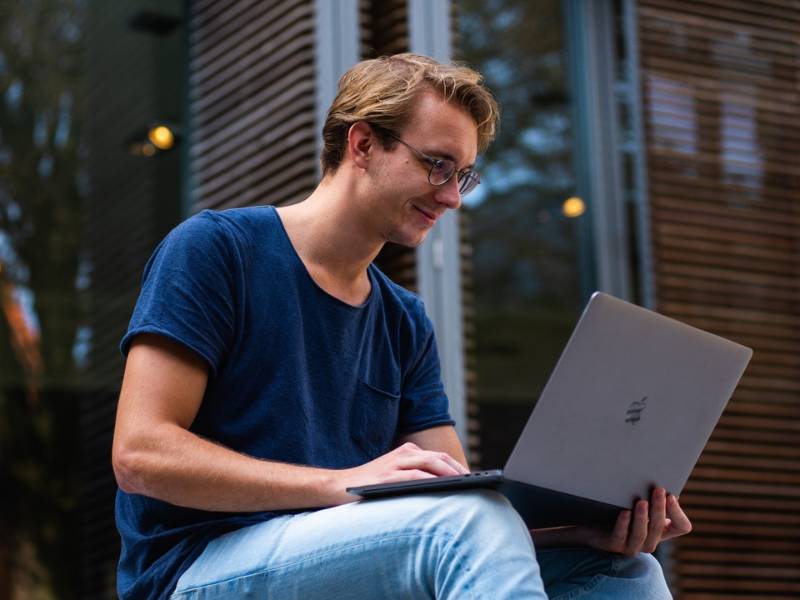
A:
[404,463]
[640,530]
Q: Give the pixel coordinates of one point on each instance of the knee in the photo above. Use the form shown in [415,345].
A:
[481,513]
[647,571]
[468,504]
[649,567]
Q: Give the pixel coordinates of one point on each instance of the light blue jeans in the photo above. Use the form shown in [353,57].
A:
[469,545]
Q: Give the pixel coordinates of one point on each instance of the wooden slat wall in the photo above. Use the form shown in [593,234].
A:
[721,104]
[384,27]
[384,31]
[473,441]
[252,102]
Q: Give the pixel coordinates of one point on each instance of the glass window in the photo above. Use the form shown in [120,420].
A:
[526,225]
[87,187]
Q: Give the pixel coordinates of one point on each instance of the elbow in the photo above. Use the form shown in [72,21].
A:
[129,468]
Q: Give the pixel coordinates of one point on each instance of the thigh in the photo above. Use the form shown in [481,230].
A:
[410,547]
[326,553]
[573,573]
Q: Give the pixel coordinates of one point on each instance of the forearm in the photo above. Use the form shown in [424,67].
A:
[177,466]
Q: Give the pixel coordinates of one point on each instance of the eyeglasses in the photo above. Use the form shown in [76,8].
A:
[442,170]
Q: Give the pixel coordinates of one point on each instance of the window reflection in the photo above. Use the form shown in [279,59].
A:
[40,89]
[78,217]
[527,284]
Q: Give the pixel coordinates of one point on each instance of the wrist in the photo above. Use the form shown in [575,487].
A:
[333,483]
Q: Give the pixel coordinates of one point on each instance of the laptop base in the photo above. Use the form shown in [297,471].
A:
[539,507]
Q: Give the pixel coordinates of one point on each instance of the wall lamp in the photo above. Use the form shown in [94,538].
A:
[159,136]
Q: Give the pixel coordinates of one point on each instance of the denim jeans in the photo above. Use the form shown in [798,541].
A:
[469,545]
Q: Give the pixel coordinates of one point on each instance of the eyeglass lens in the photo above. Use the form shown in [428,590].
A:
[442,170]
[467,182]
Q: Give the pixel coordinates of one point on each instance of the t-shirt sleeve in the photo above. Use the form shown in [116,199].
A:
[188,290]
[424,402]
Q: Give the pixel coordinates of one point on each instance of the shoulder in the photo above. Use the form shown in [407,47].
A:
[234,223]
[404,305]
[227,231]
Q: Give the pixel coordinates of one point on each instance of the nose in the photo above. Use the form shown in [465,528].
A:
[448,194]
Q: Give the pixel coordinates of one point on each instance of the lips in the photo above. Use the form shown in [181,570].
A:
[429,214]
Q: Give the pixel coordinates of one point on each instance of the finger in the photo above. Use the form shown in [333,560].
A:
[408,447]
[454,463]
[619,536]
[680,523]
[409,451]
[638,531]
[657,522]
[407,475]
[427,461]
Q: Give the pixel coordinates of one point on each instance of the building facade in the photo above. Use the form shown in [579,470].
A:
[648,148]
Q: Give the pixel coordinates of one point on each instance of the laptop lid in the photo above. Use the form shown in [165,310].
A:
[630,404]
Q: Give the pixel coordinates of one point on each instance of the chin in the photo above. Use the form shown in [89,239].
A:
[409,241]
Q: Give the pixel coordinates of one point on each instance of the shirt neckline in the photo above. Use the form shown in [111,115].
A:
[300,266]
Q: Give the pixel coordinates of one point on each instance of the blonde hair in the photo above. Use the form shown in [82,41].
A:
[382,92]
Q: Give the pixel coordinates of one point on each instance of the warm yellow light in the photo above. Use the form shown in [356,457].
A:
[148,149]
[161,137]
[573,207]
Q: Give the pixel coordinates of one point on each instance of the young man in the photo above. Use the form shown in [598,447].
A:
[270,366]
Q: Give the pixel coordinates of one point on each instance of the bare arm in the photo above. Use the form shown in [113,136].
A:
[438,439]
[155,454]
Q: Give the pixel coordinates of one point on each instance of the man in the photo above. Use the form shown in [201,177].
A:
[270,366]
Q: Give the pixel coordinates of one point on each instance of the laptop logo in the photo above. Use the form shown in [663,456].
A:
[635,410]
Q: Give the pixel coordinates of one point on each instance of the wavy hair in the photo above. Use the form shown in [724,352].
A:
[382,92]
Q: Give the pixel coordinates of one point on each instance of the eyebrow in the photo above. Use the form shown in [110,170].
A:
[448,156]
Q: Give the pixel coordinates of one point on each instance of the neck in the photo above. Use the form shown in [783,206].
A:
[330,234]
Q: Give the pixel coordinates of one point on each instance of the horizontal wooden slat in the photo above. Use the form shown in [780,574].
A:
[716,15]
[739,49]
[688,289]
[716,444]
[766,183]
[702,85]
[290,69]
[737,558]
[735,585]
[721,95]
[695,72]
[715,190]
[740,571]
[253,37]
[720,161]
[732,542]
[737,517]
[287,136]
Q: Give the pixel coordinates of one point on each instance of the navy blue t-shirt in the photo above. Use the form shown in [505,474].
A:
[295,375]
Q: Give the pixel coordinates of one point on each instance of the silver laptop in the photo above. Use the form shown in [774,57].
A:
[630,405]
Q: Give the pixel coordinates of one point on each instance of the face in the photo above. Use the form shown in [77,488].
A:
[404,202]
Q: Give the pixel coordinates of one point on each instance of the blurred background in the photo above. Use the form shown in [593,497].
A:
[648,148]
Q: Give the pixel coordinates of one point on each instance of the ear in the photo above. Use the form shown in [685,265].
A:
[360,144]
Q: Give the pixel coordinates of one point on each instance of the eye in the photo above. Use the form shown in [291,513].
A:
[442,170]
[444,166]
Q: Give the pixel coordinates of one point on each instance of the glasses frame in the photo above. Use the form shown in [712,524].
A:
[468,178]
